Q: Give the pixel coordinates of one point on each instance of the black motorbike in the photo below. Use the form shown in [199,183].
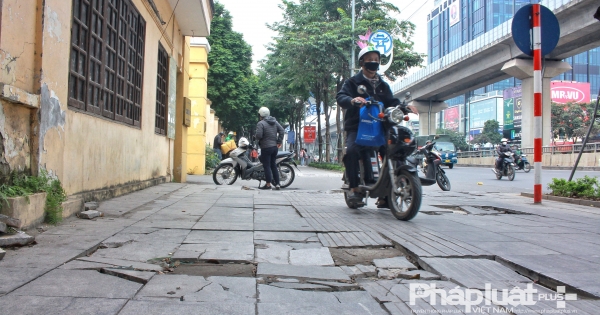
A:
[431,166]
[522,163]
[239,165]
[508,166]
[398,181]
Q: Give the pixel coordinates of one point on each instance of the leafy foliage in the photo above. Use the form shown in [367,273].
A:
[571,121]
[212,159]
[327,166]
[490,133]
[456,137]
[21,184]
[232,87]
[586,187]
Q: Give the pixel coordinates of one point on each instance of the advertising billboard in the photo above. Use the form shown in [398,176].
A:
[452,118]
[514,94]
[482,111]
[454,12]
[310,134]
[570,92]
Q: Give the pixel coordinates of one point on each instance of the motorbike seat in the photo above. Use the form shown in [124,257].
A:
[282,153]
[411,160]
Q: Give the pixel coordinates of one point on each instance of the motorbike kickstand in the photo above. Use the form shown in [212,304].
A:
[367,198]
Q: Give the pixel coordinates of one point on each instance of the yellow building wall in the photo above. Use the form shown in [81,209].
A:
[197,133]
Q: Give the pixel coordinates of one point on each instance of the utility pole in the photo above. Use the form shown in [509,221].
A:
[353,65]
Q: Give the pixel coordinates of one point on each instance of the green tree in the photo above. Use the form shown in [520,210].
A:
[570,121]
[232,87]
[490,133]
[456,137]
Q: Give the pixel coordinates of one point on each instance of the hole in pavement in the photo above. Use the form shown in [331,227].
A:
[361,256]
[472,210]
[211,269]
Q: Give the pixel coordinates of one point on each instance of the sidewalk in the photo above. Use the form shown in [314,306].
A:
[198,248]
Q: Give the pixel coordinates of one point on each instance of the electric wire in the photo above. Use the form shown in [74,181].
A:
[165,29]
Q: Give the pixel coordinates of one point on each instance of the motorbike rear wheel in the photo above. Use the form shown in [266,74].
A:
[225,174]
[510,172]
[443,181]
[286,175]
[406,201]
[527,167]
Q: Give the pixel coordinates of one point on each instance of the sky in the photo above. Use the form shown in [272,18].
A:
[251,18]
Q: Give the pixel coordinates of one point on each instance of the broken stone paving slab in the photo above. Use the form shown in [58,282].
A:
[10,221]
[380,291]
[199,289]
[196,308]
[311,257]
[123,263]
[12,304]
[419,274]
[84,265]
[353,271]
[132,275]
[272,253]
[222,252]
[91,205]
[310,308]
[3,227]
[18,239]
[392,274]
[89,214]
[338,286]
[300,286]
[307,272]
[369,271]
[286,236]
[80,283]
[399,262]
[2,253]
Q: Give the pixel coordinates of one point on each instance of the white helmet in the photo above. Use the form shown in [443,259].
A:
[504,140]
[264,112]
[243,142]
[366,50]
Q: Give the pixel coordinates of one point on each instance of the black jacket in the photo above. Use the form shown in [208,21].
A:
[217,142]
[382,93]
[269,133]
[503,148]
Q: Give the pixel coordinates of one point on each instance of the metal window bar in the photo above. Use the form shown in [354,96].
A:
[161,91]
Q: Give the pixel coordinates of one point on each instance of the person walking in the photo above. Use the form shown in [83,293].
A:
[302,156]
[269,134]
[217,145]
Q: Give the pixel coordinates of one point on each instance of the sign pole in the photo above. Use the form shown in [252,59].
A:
[537,103]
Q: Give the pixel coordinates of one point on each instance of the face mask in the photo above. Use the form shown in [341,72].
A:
[504,143]
[373,66]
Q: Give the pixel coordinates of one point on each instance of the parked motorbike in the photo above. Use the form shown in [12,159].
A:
[431,166]
[508,166]
[398,181]
[239,165]
[522,163]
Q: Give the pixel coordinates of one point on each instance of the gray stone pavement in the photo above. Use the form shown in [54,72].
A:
[198,248]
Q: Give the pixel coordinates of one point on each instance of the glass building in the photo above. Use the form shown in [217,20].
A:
[453,23]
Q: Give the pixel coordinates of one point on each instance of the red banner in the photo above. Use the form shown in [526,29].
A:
[310,134]
[570,92]
[451,118]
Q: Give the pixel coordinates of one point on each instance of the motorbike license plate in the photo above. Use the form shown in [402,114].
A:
[447,161]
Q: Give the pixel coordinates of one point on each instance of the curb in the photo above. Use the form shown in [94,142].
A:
[564,168]
[575,201]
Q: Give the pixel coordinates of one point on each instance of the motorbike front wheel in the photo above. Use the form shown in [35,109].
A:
[510,172]
[527,167]
[286,175]
[443,181]
[405,201]
[225,174]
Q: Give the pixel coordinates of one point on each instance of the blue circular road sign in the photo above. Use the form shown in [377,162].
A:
[522,29]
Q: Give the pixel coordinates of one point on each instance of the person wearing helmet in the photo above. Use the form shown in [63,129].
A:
[217,142]
[230,136]
[502,148]
[350,100]
[269,134]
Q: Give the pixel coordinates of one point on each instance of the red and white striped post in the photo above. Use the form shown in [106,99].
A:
[537,104]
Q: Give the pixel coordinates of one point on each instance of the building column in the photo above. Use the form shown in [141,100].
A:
[523,69]
[427,111]
[180,147]
[197,132]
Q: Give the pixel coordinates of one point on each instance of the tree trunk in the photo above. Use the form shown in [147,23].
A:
[318,101]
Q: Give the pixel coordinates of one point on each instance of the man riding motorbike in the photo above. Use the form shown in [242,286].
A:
[350,100]
[504,147]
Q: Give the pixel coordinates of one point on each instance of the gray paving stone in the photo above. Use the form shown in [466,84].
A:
[18,239]
[338,286]
[123,263]
[132,275]
[91,205]
[352,271]
[378,291]
[186,308]
[307,272]
[33,305]
[368,271]
[319,308]
[208,237]
[399,262]
[271,252]
[79,283]
[14,277]
[311,257]
[3,227]
[2,253]
[422,275]
[300,286]
[84,265]
[10,221]
[286,236]
[223,252]
[224,226]
[89,214]
[199,289]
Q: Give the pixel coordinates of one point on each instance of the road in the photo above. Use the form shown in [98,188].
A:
[462,179]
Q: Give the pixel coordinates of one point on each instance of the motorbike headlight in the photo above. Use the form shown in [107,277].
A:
[397,115]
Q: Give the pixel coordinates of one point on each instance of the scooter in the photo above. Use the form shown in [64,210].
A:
[522,163]
[398,181]
[431,166]
[239,165]
[508,166]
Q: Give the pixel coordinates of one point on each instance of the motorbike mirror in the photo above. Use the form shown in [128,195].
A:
[361,89]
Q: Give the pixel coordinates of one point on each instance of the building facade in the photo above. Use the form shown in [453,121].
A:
[453,23]
[94,91]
